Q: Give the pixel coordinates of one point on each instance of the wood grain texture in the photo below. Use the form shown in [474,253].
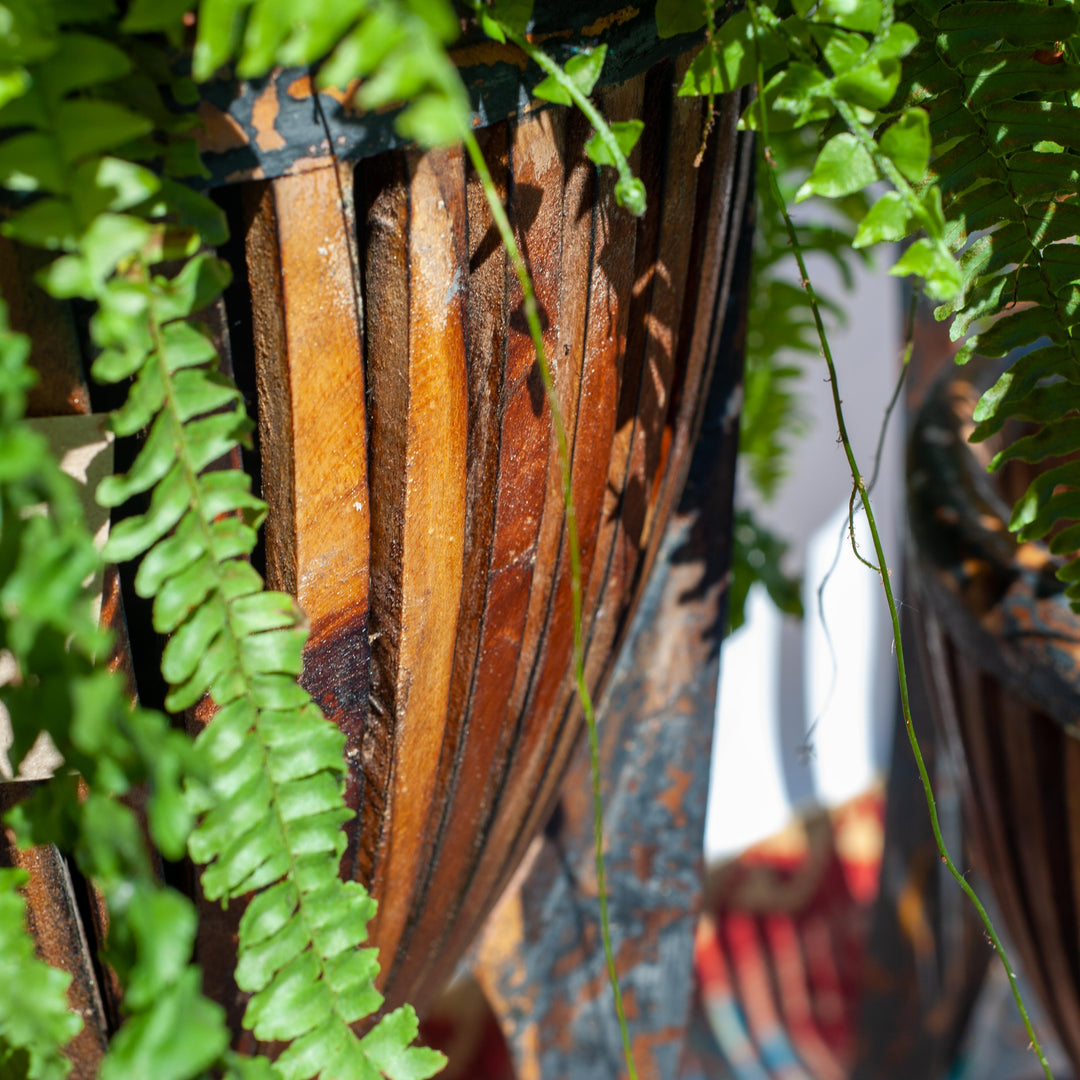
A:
[303,280]
[406,453]
[432,530]
[447,642]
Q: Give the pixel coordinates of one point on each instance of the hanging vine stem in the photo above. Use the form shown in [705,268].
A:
[532,317]
[879,450]
[860,489]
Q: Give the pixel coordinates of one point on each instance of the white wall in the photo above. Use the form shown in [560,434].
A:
[788,733]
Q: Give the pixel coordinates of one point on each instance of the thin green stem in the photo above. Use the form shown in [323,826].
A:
[886,583]
[879,450]
[532,317]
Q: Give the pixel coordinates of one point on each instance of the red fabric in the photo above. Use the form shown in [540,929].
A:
[780,950]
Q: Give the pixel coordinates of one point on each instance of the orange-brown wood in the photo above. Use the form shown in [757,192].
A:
[600,453]
[385,212]
[515,481]
[309,372]
[433,528]
[618,576]
[405,449]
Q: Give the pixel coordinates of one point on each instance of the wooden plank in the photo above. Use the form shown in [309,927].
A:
[569,301]
[434,430]
[1033,810]
[56,924]
[383,186]
[720,187]
[540,958]
[979,724]
[488,652]
[618,595]
[313,434]
[599,472]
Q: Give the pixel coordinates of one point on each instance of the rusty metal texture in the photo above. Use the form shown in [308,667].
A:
[264,128]
[540,960]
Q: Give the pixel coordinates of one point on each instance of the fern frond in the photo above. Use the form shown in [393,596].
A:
[271,793]
[1013,172]
[49,632]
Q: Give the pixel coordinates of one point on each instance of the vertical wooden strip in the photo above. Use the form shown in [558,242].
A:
[1071,765]
[978,720]
[617,592]
[1030,807]
[609,281]
[485,333]
[602,451]
[722,184]
[569,299]
[272,384]
[386,336]
[667,286]
[326,393]
[313,432]
[433,529]
[56,924]
[521,434]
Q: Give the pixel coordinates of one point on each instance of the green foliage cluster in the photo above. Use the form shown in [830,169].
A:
[94,151]
[781,343]
[835,65]
[1004,91]
[48,632]
[967,113]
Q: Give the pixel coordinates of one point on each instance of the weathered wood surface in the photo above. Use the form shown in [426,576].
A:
[1004,654]
[417,510]
[56,916]
[540,959]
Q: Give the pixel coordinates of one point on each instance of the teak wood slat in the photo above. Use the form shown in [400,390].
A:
[432,531]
